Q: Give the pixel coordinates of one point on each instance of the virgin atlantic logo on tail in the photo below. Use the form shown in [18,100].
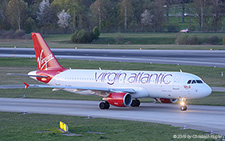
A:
[43,61]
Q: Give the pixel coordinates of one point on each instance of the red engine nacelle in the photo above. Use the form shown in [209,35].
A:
[166,100]
[120,99]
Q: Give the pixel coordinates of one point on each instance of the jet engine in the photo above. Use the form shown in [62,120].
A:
[120,99]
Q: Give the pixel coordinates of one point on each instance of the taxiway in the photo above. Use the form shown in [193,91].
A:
[206,118]
[214,58]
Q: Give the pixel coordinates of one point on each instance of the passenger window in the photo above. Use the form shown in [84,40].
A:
[199,81]
[189,82]
[193,81]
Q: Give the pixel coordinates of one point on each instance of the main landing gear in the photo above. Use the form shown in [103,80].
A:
[183,106]
[135,103]
[104,105]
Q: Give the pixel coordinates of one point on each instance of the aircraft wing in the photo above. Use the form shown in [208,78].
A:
[82,88]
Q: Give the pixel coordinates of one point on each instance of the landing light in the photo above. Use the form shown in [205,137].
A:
[182,103]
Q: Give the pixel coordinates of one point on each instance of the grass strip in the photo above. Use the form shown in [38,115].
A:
[19,126]
[121,41]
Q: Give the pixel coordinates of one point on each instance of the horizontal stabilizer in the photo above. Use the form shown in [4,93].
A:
[26,85]
[17,74]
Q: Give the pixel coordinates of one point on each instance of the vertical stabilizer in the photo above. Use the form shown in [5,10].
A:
[44,56]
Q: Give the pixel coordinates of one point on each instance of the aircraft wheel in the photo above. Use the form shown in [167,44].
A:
[135,103]
[104,105]
[138,103]
[183,108]
[107,105]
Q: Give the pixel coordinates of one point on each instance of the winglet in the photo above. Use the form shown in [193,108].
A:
[26,85]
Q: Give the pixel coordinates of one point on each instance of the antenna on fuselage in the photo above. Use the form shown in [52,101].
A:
[100,68]
[181,70]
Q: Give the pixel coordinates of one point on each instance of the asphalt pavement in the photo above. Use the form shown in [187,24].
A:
[200,117]
[212,58]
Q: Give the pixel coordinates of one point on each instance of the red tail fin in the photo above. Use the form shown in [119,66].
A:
[44,56]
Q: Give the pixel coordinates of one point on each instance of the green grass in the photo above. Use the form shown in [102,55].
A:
[189,23]
[120,41]
[134,38]
[45,94]
[18,126]
[158,35]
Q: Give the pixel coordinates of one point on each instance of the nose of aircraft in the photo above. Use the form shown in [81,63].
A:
[206,91]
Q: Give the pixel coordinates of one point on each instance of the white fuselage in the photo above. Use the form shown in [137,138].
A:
[154,84]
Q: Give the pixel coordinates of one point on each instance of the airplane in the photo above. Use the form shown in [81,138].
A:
[116,87]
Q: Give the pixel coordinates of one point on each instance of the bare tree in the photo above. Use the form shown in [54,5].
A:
[46,14]
[100,10]
[167,6]
[16,13]
[146,18]
[43,7]
[217,13]
[77,9]
[157,8]
[2,16]
[126,12]
[3,6]
[64,18]
[201,11]
[183,10]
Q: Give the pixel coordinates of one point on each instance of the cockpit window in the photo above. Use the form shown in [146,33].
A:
[194,81]
[199,81]
[189,82]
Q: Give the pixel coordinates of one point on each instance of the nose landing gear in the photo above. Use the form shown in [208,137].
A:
[183,106]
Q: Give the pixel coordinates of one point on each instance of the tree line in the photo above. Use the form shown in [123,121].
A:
[66,16]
